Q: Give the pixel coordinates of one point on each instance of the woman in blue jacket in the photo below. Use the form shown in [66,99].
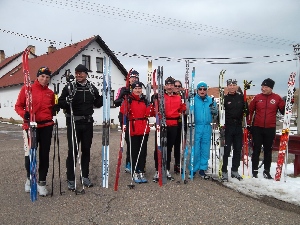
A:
[205,110]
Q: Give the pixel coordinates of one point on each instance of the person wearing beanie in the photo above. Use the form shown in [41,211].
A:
[173,109]
[235,107]
[83,98]
[205,109]
[262,110]
[138,112]
[122,92]
[43,103]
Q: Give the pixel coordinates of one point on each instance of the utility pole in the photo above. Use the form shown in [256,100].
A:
[297,54]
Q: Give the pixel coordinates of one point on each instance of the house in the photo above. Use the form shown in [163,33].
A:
[89,52]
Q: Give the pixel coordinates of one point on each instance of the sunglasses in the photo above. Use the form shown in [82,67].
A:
[202,89]
[178,86]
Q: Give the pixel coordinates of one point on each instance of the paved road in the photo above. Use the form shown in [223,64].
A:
[198,202]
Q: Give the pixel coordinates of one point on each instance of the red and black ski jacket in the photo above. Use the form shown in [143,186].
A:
[139,110]
[42,104]
[264,109]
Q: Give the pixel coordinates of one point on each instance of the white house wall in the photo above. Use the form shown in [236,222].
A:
[10,66]
[8,98]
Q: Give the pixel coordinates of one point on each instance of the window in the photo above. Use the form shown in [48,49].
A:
[112,97]
[99,64]
[86,60]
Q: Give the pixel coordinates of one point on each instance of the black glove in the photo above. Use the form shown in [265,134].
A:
[26,115]
[153,97]
[69,99]
[125,92]
[55,109]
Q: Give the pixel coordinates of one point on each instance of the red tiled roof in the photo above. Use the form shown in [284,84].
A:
[9,59]
[55,61]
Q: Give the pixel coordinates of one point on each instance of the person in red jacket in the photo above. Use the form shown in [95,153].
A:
[138,112]
[173,110]
[262,110]
[43,108]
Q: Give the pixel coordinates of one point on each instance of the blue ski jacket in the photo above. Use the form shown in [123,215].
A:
[203,114]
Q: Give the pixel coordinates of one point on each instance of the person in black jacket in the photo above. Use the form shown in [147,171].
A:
[83,97]
[234,109]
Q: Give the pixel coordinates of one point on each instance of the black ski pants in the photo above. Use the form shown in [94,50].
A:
[171,137]
[84,133]
[233,137]
[43,140]
[262,136]
[139,152]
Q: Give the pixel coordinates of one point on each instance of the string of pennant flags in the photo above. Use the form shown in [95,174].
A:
[111,11]
[206,60]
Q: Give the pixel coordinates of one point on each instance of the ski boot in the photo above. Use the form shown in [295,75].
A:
[127,168]
[224,176]
[155,177]
[267,175]
[203,175]
[235,174]
[169,176]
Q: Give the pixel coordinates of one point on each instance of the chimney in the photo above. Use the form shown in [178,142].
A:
[2,55]
[51,48]
[32,49]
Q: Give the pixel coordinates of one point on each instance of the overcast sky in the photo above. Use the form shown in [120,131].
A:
[193,28]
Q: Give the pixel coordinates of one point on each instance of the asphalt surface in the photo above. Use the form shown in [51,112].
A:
[197,202]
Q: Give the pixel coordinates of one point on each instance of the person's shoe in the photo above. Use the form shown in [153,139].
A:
[224,176]
[176,168]
[203,175]
[235,174]
[143,178]
[267,175]
[155,177]
[71,185]
[128,168]
[254,174]
[27,185]
[169,176]
[86,182]
[190,175]
[136,178]
[41,188]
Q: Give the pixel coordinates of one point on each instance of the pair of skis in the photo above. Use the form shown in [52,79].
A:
[162,135]
[284,138]
[221,122]
[106,120]
[32,142]
[246,134]
[185,138]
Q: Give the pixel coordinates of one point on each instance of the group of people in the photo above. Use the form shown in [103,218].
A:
[135,111]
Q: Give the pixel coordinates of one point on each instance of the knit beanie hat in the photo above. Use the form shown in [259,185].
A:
[134,73]
[170,80]
[202,84]
[268,82]
[231,81]
[44,70]
[81,68]
[137,84]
